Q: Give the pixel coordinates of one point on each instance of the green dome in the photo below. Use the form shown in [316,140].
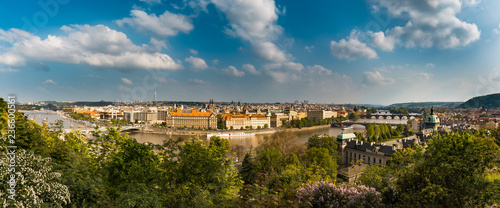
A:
[346,136]
[432,119]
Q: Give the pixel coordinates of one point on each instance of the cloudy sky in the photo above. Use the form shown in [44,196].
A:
[336,51]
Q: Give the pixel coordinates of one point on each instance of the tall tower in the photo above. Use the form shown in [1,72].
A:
[155,96]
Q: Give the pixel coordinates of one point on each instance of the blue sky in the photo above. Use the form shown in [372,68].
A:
[357,51]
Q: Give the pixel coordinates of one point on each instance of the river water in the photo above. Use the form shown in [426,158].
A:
[48,117]
[41,117]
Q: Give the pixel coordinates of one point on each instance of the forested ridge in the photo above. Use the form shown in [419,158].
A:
[113,170]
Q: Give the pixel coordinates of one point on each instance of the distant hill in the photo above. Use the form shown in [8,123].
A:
[488,101]
[425,104]
[81,103]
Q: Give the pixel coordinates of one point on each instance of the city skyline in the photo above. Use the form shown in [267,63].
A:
[360,51]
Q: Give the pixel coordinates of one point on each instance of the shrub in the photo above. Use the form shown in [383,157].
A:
[323,194]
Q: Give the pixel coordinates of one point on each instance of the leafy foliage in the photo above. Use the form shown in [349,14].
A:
[488,101]
[449,172]
[323,194]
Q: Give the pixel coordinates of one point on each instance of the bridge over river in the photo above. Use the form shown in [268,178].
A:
[365,122]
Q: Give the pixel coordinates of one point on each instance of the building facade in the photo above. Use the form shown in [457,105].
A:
[318,115]
[432,121]
[192,119]
[243,121]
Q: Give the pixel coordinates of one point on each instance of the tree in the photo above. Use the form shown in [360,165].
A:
[327,142]
[239,151]
[369,132]
[451,173]
[320,158]
[400,128]
[270,161]
[83,179]
[132,171]
[36,184]
[283,140]
[324,194]
[200,175]
[353,116]
[247,169]
[360,136]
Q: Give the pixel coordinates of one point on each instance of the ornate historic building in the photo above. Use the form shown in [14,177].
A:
[432,121]
[191,119]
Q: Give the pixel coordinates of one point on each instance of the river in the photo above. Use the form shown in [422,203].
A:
[48,117]
[303,135]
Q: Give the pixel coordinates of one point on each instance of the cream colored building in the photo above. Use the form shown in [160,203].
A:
[318,115]
[242,121]
[261,121]
[148,116]
[191,119]
[277,119]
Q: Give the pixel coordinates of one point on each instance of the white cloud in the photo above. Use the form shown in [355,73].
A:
[269,51]
[283,72]
[320,70]
[352,48]
[233,72]
[497,30]
[288,66]
[160,79]
[97,46]
[8,70]
[127,81]
[49,81]
[254,21]
[379,40]
[424,75]
[197,63]
[151,1]
[167,24]
[430,65]
[215,61]
[309,48]
[194,52]
[376,78]
[431,23]
[198,81]
[471,2]
[155,45]
[250,68]
[123,88]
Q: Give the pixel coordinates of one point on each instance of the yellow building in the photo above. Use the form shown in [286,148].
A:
[191,119]
[239,121]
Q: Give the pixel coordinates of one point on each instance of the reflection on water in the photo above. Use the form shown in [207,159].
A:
[48,117]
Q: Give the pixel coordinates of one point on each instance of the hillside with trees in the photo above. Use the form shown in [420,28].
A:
[487,101]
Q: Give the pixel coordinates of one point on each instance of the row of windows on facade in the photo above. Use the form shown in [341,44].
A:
[365,161]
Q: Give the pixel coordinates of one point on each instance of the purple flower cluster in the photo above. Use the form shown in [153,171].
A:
[323,194]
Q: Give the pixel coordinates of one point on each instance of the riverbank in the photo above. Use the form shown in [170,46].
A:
[198,132]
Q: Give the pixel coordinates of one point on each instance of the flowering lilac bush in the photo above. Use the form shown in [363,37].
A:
[323,194]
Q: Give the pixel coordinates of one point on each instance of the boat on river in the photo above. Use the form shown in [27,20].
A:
[239,134]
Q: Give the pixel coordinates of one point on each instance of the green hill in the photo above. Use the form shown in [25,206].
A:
[425,104]
[488,101]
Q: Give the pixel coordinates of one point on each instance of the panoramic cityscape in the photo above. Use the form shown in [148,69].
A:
[250,103]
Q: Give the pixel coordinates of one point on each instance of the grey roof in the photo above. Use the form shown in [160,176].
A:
[383,149]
